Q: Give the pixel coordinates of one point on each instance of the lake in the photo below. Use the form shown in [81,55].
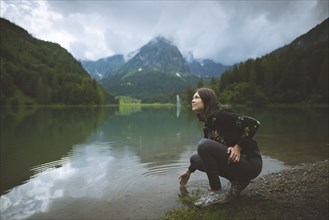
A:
[124,162]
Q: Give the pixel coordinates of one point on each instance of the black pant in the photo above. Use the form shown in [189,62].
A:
[212,158]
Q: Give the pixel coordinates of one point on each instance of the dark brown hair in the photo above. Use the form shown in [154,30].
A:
[210,101]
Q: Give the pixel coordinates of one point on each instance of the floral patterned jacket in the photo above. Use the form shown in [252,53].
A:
[228,128]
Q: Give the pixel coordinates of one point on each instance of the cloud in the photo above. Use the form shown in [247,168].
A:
[226,31]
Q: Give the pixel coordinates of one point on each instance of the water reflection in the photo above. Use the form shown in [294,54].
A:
[109,164]
[30,137]
[152,134]
[80,175]
[124,163]
[293,135]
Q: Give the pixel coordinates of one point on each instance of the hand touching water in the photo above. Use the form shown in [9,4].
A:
[183,179]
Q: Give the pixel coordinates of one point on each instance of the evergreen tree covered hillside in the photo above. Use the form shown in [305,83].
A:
[295,73]
[39,72]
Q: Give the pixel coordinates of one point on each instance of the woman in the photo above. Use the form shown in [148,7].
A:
[227,149]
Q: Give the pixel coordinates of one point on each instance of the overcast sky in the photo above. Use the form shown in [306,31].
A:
[225,31]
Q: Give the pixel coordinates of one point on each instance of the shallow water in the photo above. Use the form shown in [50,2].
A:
[105,163]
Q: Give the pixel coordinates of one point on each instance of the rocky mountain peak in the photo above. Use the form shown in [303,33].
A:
[158,54]
[160,40]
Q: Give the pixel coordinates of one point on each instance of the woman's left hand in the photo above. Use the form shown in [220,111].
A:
[234,154]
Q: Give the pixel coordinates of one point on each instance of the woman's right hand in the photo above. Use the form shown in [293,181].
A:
[234,154]
[183,179]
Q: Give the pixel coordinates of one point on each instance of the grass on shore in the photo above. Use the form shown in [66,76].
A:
[191,212]
[234,210]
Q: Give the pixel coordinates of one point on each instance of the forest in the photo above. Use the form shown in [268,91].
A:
[294,74]
[39,72]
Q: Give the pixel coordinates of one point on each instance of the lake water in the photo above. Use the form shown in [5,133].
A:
[124,163]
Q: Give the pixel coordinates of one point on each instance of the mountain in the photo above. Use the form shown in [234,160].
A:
[313,37]
[295,73]
[157,55]
[102,68]
[39,72]
[207,68]
[156,73]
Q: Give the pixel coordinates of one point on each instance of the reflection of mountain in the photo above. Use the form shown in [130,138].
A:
[125,159]
[30,138]
[159,138]
[156,135]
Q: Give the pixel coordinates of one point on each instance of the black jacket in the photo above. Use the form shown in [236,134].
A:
[228,128]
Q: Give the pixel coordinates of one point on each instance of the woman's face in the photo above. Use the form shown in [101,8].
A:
[197,103]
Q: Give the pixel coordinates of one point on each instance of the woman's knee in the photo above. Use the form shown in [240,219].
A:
[195,159]
[208,147]
[203,144]
[196,163]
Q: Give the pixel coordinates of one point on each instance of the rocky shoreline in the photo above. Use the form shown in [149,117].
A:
[297,193]
[300,192]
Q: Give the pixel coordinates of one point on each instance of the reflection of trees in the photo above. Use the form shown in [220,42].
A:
[293,135]
[30,137]
[128,109]
[154,134]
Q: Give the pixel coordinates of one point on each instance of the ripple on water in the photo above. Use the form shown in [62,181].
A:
[169,168]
